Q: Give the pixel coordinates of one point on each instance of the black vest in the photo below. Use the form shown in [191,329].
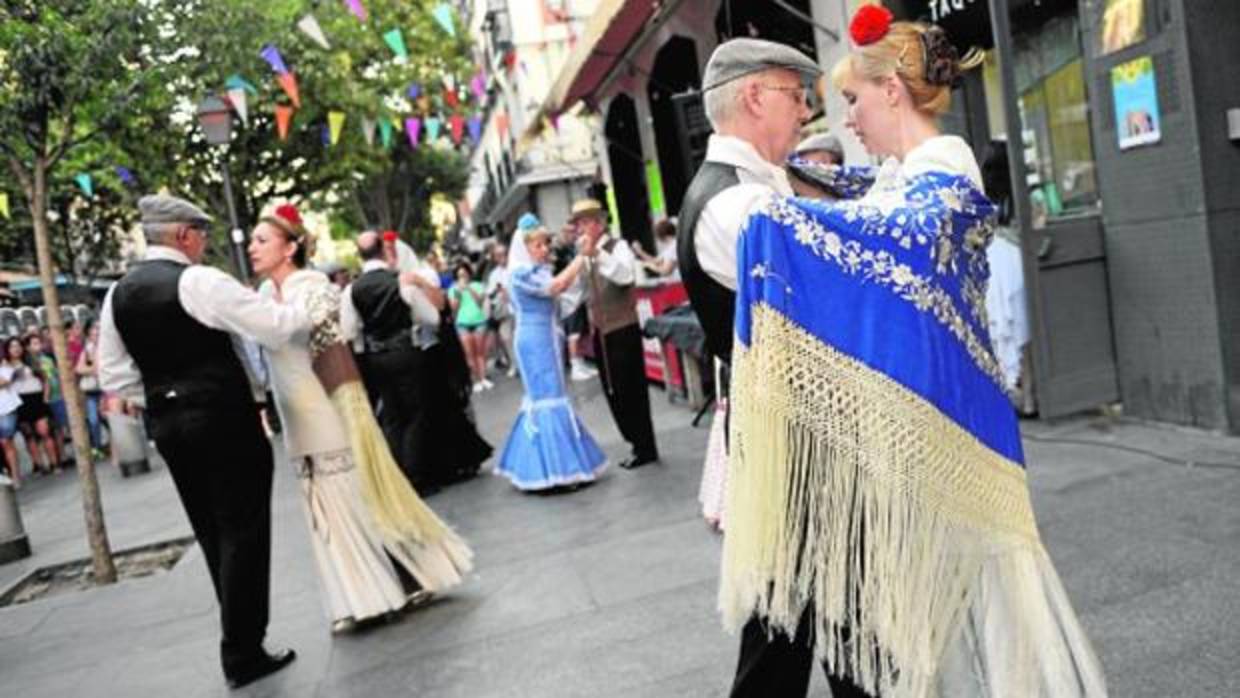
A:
[385,315]
[184,363]
[714,303]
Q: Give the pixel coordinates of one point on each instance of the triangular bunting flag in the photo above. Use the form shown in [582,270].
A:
[424,104]
[397,43]
[126,176]
[88,187]
[4,204]
[475,128]
[325,135]
[310,26]
[450,99]
[236,82]
[288,81]
[368,130]
[271,54]
[355,6]
[284,117]
[385,132]
[443,15]
[237,98]
[478,85]
[413,127]
[457,125]
[501,123]
[555,122]
[432,128]
[414,90]
[335,121]
[449,81]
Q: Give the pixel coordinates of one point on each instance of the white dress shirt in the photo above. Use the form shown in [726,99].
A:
[211,297]
[725,215]
[424,312]
[618,266]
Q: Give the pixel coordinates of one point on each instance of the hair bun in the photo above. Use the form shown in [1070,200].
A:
[941,58]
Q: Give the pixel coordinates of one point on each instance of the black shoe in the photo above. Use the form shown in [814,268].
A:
[265,664]
[637,461]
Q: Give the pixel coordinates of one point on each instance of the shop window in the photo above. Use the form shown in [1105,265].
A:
[1054,108]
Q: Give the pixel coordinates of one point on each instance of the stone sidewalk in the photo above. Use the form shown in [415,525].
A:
[610,591]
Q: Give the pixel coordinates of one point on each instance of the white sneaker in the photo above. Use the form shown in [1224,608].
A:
[477,387]
[582,372]
[487,384]
[512,372]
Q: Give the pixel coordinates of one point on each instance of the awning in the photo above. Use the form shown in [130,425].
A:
[612,28]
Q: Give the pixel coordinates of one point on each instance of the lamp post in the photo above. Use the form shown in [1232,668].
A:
[215,118]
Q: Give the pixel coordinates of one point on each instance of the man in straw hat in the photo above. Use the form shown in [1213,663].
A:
[613,312]
[168,344]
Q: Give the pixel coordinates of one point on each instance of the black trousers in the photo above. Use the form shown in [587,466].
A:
[778,666]
[396,380]
[624,382]
[221,464]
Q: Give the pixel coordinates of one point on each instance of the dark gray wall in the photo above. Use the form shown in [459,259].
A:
[1159,238]
[1214,59]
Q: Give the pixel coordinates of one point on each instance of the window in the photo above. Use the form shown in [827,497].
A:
[1050,77]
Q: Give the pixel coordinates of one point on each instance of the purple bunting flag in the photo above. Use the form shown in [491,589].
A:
[126,176]
[475,128]
[413,127]
[271,54]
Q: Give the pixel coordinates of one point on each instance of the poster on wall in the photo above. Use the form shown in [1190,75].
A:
[1123,24]
[1137,119]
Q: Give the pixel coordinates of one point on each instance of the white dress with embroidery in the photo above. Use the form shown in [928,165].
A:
[358,579]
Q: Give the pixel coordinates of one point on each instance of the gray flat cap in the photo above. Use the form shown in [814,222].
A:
[740,57]
[820,142]
[161,208]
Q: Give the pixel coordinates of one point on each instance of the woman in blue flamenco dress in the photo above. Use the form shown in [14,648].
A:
[548,446]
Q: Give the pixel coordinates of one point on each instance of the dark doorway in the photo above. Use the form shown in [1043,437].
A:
[758,19]
[624,152]
[675,71]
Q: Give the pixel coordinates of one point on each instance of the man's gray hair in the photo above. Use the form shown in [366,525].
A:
[157,233]
[722,102]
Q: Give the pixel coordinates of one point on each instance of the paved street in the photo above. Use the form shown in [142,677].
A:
[610,591]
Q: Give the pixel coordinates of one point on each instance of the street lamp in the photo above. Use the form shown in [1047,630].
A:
[215,118]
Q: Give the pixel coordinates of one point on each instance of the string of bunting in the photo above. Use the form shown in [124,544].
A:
[427,127]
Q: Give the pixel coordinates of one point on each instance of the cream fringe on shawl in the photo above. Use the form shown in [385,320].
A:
[432,552]
[915,544]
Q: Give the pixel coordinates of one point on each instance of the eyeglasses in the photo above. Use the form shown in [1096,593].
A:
[800,92]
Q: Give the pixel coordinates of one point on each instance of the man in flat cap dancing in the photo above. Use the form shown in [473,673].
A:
[167,345]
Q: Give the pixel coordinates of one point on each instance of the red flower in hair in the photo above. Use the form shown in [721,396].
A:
[289,213]
[390,236]
[870,24]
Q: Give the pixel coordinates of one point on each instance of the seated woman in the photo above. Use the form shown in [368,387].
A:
[877,498]
[548,445]
[358,503]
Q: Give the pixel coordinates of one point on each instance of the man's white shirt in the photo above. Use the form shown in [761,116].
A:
[424,312]
[724,216]
[211,297]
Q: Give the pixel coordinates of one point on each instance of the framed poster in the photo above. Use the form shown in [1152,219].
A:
[1137,119]
[1123,24]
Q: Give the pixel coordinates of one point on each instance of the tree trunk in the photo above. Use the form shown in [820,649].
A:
[96,531]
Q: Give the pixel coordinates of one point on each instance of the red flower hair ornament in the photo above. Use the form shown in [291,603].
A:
[289,213]
[870,24]
[390,236]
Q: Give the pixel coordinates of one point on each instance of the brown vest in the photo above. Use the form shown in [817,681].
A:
[611,306]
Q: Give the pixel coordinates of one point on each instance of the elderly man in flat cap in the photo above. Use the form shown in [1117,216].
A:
[610,277]
[169,344]
[756,97]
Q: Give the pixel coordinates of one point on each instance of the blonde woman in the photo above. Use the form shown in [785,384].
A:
[879,519]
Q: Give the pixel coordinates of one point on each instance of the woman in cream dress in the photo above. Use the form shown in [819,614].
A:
[361,511]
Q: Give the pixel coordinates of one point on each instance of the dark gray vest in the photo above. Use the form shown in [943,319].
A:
[714,303]
[385,315]
[184,363]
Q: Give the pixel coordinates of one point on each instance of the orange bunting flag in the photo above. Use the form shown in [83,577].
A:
[501,123]
[284,117]
[457,123]
[424,104]
[288,81]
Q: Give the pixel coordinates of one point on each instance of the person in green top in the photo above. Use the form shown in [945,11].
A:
[45,365]
[466,298]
